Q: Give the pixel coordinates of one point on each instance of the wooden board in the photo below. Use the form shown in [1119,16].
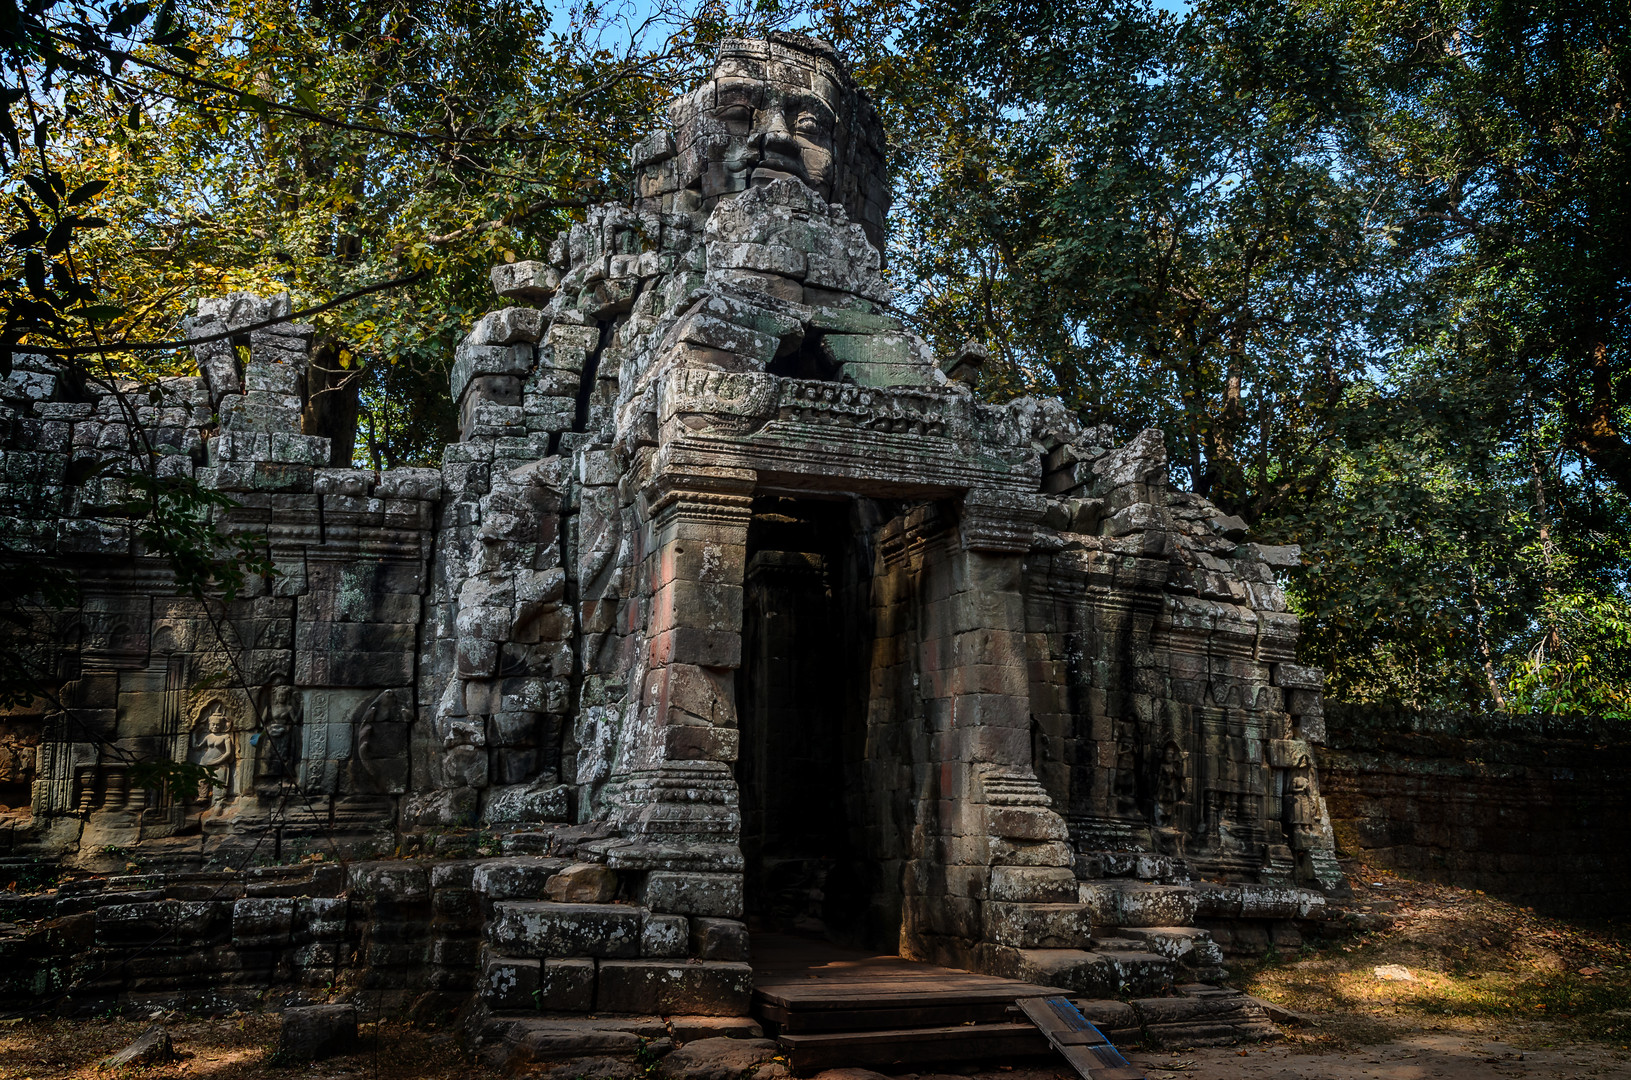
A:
[1077,1040]
[884,1018]
[797,976]
[963,1042]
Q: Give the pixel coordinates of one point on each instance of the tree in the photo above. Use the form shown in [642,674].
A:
[1339,253]
[1502,127]
[1149,216]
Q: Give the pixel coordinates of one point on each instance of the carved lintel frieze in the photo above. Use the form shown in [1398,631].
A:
[699,493]
[1003,521]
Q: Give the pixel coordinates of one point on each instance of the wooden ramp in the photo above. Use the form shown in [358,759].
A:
[832,1007]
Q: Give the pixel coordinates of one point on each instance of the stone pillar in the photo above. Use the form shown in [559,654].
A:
[998,847]
[673,795]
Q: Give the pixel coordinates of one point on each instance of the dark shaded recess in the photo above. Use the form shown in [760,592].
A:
[330,409]
[805,358]
[801,699]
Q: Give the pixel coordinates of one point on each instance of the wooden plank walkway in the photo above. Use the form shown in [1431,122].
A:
[831,1006]
[1078,1040]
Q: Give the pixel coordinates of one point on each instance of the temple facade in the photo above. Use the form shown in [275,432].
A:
[734,608]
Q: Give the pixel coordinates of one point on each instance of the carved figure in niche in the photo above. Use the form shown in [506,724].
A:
[1302,813]
[276,743]
[379,764]
[1170,787]
[212,745]
[1126,769]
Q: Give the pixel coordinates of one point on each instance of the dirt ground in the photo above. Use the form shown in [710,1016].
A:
[1469,987]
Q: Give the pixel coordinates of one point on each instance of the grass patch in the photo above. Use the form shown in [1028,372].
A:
[1475,963]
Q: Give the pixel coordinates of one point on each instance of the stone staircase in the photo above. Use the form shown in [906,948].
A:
[1131,935]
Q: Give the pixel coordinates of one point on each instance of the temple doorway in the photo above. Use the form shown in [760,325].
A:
[802,705]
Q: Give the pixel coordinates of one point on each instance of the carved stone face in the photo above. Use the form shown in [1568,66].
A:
[215,720]
[768,131]
[772,110]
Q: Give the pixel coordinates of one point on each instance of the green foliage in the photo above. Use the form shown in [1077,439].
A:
[181,780]
[1147,215]
[1363,263]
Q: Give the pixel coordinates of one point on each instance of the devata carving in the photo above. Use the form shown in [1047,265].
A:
[726,588]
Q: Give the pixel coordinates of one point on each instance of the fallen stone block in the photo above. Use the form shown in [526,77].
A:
[583,883]
[152,1047]
[314,1032]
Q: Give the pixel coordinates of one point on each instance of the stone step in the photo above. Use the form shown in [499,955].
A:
[963,1043]
[512,1043]
[1138,904]
[580,985]
[535,929]
[1096,973]
[1038,926]
[1190,947]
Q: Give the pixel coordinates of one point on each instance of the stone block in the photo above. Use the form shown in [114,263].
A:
[664,936]
[398,882]
[1033,884]
[1038,926]
[1025,823]
[262,922]
[707,988]
[1155,905]
[719,939]
[152,1047]
[455,952]
[525,279]
[518,878]
[319,918]
[508,982]
[700,742]
[1070,969]
[195,922]
[538,801]
[510,326]
[314,1032]
[1298,677]
[546,929]
[567,985]
[693,893]
[583,883]
[1015,852]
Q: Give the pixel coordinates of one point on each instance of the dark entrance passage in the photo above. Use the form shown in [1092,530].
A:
[801,699]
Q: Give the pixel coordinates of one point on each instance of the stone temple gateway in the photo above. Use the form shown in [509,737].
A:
[732,607]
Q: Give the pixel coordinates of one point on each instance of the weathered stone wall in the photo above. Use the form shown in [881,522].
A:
[1533,809]
[297,692]
[1170,717]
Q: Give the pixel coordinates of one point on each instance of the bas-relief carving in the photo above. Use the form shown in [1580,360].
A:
[278,744]
[212,745]
[327,733]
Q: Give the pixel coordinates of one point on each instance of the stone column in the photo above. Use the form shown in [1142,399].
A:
[998,853]
[673,795]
